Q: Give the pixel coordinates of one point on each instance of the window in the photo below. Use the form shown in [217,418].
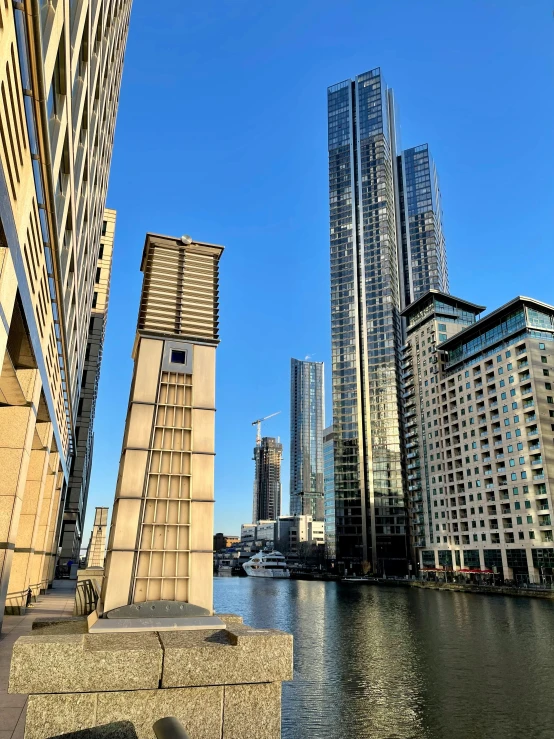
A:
[101,252]
[548,385]
[541,345]
[508,354]
[522,460]
[511,379]
[524,475]
[466,373]
[543,360]
[500,370]
[508,434]
[178,356]
[515,491]
[514,406]
[442,326]
[531,534]
[504,409]
[499,358]
[549,399]
[529,519]
[512,463]
[526,488]
[503,396]
[513,476]
[519,520]
[521,535]
[512,392]
[519,446]
[98,275]
[94,299]
[510,449]
[517,505]
[546,372]
[502,383]
[518,432]
[442,337]
[104,226]
[509,366]
[506,422]
[528,504]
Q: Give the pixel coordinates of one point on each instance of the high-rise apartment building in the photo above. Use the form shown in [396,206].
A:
[75,504]
[423,250]
[369,288]
[96,550]
[329,489]
[61,72]
[267,479]
[479,419]
[307,419]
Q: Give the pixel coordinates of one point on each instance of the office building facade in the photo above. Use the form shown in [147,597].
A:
[267,479]
[479,426]
[368,292]
[61,73]
[329,490]
[307,419]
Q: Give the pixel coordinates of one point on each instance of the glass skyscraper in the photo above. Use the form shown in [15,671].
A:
[267,480]
[423,251]
[368,290]
[329,489]
[306,438]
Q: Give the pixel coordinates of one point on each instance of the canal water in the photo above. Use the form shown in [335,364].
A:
[375,662]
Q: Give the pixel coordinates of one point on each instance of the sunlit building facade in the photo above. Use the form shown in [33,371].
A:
[307,420]
[368,292]
[479,431]
[60,79]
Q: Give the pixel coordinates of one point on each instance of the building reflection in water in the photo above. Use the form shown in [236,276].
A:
[396,663]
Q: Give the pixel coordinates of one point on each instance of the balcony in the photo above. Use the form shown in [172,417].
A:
[500,469]
[534,447]
[536,460]
[540,476]
[531,418]
[522,364]
[483,433]
[529,403]
[545,521]
[499,456]
[521,350]
[532,432]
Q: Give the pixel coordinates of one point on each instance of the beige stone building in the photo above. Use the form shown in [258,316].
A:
[60,73]
[96,550]
[160,545]
[479,436]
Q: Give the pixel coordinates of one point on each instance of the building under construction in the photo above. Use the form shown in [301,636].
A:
[268,453]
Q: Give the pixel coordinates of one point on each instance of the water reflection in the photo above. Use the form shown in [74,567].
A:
[380,663]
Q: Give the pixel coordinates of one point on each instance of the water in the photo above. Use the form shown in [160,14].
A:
[399,663]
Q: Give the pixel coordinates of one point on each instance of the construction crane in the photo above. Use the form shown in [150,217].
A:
[258,424]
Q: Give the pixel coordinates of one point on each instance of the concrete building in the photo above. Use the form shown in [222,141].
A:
[375,272]
[295,530]
[75,504]
[61,71]
[329,489]
[479,424]
[248,532]
[96,552]
[267,479]
[161,535]
[307,419]
[221,541]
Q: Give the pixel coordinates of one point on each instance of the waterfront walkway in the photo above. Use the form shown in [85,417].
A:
[56,603]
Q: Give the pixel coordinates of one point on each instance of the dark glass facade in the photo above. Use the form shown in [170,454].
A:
[423,249]
[329,489]
[306,438]
[267,480]
[368,291]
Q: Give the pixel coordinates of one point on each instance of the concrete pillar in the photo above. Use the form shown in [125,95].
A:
[17,429]
[51,548]
[29,519]
[41,552]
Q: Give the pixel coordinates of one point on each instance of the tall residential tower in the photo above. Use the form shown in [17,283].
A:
[61,65]
[369,288]
[267,479]
[306,438]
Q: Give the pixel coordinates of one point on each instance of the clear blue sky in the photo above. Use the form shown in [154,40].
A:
[222,134]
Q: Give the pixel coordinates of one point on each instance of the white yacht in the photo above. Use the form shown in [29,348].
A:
[267,564]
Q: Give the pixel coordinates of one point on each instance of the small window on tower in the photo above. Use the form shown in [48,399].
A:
[178,356]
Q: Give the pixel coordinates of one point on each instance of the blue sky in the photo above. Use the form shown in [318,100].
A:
[221,134]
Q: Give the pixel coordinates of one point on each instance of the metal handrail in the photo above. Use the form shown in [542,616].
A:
[169,728]
[36,586]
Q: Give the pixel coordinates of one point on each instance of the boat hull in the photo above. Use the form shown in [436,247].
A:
[276,574]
